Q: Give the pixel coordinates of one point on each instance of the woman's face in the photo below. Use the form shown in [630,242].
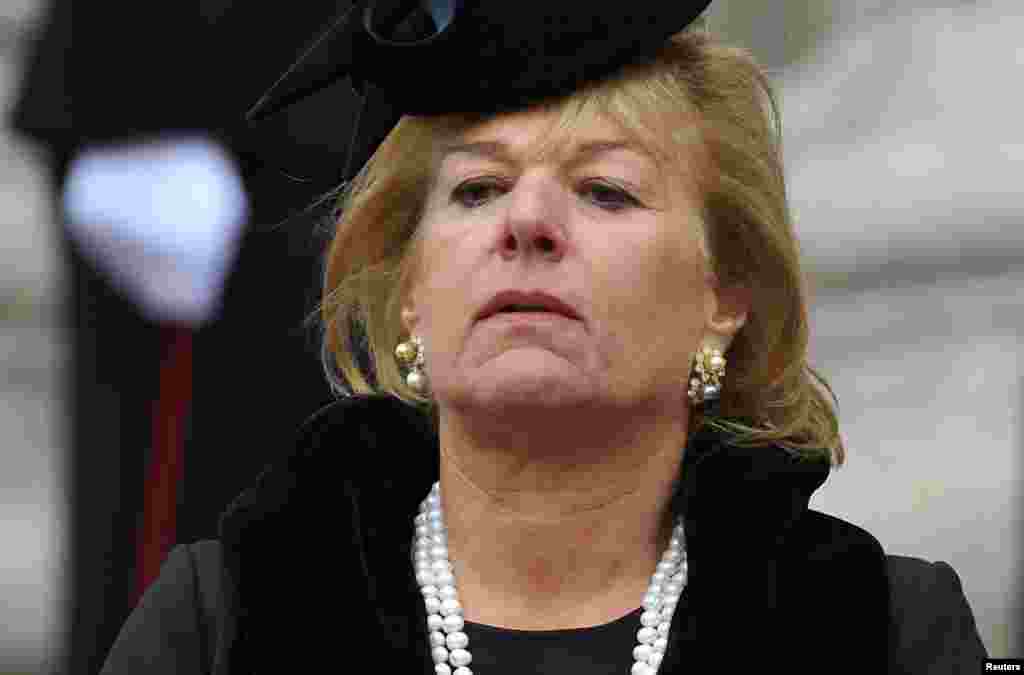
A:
[596,224]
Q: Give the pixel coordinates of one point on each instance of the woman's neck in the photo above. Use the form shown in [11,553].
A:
[539,543]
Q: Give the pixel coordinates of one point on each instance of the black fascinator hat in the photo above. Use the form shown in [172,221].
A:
[431,57]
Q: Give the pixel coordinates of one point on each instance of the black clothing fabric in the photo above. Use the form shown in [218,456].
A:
[256,376]
[134,72]
[313,562]
[602,650]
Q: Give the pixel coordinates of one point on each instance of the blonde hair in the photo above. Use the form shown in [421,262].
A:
[770,395]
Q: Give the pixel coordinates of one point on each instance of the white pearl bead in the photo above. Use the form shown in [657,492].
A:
[421,554]
[424,578]
[660,644]
[424,566]
[442,669]
[436,639]
[434,622]
[439,539]
[463,671]
[429,591]
[439,552]
[461,657]
[673,588]
[420,519]
[446,592]
[453,622]
[416,380]
[663,628]
[441,566]
[440,654]
[669,602]
[650,619]
[641,652]
[422,531]
[444,579]
[666,567]
[450,606]
[647,635]
[435,515]
[658,578]
[655,589]
[655,659]
[651,602]
[457,640]
[433,605]
[640,668]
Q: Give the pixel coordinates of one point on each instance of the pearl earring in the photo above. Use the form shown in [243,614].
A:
[411,355]
[707,375]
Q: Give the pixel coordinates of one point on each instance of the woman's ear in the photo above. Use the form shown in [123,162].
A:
[410,319]
[727,313]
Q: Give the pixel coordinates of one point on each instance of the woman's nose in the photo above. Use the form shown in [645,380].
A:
[536,218]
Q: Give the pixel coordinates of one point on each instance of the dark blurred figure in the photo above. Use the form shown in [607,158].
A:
[135,73]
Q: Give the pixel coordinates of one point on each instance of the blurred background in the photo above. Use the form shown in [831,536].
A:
[905,155]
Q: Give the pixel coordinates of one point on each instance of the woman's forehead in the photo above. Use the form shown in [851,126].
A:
[570,135]
[538,133]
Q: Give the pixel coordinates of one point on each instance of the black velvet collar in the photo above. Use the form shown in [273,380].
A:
[371,460]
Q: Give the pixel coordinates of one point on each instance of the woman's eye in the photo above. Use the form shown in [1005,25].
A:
[609,197]
[475,193]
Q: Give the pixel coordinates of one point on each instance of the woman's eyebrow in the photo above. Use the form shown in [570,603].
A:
[584,152]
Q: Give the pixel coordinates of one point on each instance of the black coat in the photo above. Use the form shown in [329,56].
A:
[312,567]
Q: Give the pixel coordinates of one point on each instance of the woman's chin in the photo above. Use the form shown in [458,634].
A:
[526,390]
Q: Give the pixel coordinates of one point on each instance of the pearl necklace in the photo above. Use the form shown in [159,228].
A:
[450,645]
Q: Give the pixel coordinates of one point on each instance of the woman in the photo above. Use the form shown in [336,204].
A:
[598,307]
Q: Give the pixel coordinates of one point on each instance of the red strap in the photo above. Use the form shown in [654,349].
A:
[157,532]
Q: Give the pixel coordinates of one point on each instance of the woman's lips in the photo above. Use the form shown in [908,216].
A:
[517,317]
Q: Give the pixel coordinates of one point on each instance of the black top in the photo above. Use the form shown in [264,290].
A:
[597,650]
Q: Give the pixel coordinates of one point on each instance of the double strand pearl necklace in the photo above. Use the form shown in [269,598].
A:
[450,645]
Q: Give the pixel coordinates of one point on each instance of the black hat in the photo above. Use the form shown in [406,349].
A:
[429,57]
